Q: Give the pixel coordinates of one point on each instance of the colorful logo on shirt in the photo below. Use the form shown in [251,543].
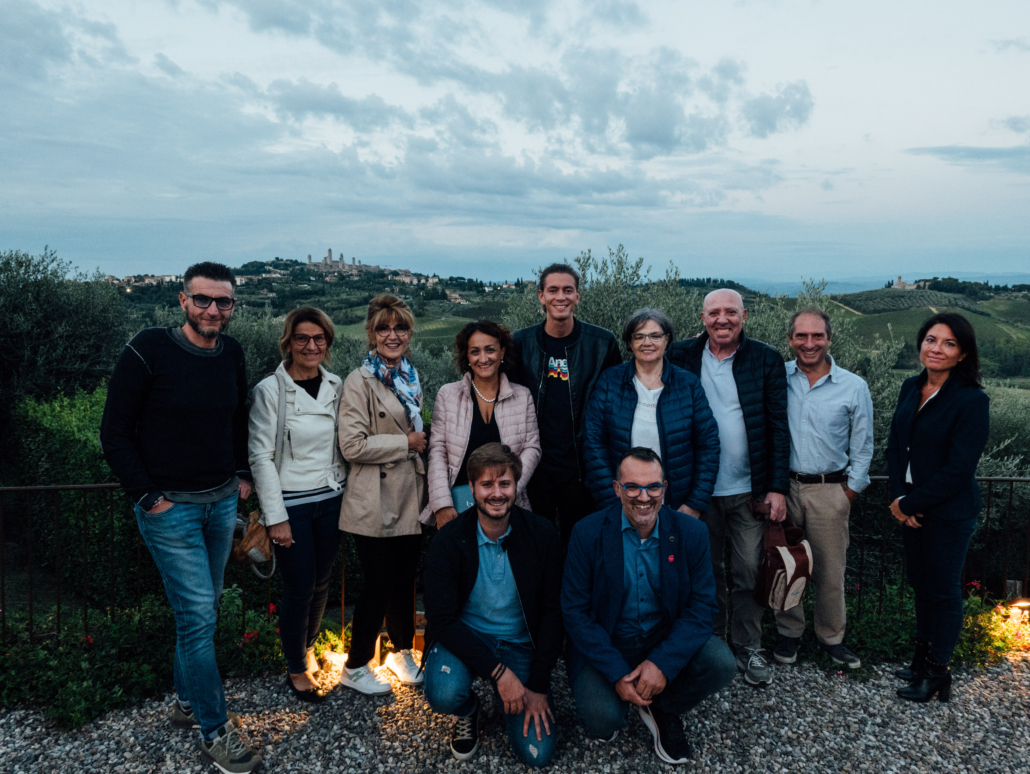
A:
[558,369]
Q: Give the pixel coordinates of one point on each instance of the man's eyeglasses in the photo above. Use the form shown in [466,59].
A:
[634,490]
[302,341]
[655,337]
[385,330]
[224,303]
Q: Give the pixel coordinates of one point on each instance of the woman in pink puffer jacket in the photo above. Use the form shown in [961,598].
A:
[483,407]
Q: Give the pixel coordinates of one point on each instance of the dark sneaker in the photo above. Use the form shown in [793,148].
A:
[465,737]
[186,719]
[786,650]
[667,729]
[841,655]
[757,671]
[229,753]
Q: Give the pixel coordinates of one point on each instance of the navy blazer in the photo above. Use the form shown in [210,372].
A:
[689,435]
[592,592]
[943,442]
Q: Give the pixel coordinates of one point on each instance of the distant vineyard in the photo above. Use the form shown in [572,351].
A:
[879,301]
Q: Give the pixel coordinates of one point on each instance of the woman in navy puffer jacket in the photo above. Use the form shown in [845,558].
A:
[650,402]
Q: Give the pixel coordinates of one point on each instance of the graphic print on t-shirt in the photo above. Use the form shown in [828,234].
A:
[558,369]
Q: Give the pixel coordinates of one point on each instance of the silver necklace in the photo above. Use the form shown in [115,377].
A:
[481,395]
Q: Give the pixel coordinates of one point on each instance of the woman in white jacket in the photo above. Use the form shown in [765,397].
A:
[299,476]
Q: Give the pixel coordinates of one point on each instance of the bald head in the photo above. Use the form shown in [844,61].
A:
[724,297]
[723,315]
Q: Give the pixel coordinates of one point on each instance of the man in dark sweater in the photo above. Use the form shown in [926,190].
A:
[492,582]
[559,360]
[746,386]
[174,432]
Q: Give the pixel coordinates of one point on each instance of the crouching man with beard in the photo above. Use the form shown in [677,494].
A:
[492,585]
[638,598]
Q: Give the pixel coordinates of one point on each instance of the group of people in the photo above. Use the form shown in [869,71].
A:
[582,504]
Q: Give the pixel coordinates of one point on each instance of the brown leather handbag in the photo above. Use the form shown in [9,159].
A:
[786,567]
[251,544]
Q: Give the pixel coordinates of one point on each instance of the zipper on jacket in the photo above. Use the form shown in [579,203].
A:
[289,445]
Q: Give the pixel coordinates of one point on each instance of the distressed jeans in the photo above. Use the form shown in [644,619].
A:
[448,687]
[190,543]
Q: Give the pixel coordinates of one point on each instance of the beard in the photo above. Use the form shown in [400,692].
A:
[208,333]
[482,505]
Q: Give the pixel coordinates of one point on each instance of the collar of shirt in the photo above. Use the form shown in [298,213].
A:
[708,355]
[483,540]
[626,525]
[834,375]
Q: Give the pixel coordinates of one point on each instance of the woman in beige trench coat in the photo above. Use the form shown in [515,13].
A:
[381,437]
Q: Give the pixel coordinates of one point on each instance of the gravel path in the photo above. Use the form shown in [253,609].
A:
[807,721]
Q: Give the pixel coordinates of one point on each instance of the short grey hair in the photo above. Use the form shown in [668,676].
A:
[645,315]
[815,312]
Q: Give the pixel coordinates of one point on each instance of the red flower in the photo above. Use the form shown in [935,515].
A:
[271,608]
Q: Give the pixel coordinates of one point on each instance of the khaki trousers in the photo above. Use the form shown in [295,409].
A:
[729,518]
[822,511]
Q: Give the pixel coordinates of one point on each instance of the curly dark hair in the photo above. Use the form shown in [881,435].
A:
[490,328]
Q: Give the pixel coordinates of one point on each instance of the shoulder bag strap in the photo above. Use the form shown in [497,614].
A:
[280,420]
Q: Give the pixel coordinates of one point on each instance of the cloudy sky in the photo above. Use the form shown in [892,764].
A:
[754,138]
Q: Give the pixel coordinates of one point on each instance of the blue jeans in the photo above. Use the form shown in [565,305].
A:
[934,555]
[190,544]
[448,687]
[306,566]
[603,713]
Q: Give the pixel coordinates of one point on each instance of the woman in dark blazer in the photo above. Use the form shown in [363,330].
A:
[651,403]
[937,436]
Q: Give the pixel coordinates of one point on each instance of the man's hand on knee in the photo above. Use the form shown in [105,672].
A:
[512,692]
[537,710]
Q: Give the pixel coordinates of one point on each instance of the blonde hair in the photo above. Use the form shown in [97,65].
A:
[386,310]
[306,314]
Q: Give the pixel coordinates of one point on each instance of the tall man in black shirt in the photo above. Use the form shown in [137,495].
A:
[559,360]
[174,432]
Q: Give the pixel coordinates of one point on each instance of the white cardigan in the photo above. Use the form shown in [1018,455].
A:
[311,455]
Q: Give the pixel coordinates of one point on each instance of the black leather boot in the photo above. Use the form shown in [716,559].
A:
[910,673]
[935,679]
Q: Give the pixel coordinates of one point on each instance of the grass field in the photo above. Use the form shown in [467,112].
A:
[440,330]
[1011,308]
[905,324]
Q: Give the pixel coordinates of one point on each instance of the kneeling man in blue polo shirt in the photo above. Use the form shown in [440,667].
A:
[492,580]
[638,599]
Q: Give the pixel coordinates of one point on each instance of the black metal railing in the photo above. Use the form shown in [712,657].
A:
[77,548]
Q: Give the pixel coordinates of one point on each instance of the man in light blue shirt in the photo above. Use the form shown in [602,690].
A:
[830,413]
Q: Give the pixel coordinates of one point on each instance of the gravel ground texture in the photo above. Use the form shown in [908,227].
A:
[809,720]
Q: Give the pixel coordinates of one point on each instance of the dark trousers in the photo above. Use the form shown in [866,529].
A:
[934,556]
[388,567]
[601,710]
[306,566]
[562,499]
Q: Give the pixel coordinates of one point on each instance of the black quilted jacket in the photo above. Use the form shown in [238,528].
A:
[761,380]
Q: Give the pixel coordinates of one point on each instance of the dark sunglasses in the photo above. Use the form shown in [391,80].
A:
[224,303]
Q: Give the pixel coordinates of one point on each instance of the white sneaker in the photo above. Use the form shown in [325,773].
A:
[365,680]
[403,665]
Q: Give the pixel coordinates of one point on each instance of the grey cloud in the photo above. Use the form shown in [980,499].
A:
[31,39]
[594,76]
[1006,44]
[1019,124]
[533,95]
[289,16]
[1013,159]
[458,124]
[618,13]
[167,66]
[768,113]
[303,98]
[653,122]
[721,79]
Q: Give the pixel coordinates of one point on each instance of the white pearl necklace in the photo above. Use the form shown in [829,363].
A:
[486,399]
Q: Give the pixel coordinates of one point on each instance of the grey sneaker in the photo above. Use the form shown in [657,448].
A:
[786,650]
[841,655]
[229,753]
[186,719]
[757,671]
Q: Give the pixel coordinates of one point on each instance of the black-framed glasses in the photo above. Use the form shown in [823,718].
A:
[634,490]
[385,330]
[302,341]
[224,303]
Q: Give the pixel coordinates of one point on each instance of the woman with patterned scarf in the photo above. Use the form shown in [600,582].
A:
[381,437]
